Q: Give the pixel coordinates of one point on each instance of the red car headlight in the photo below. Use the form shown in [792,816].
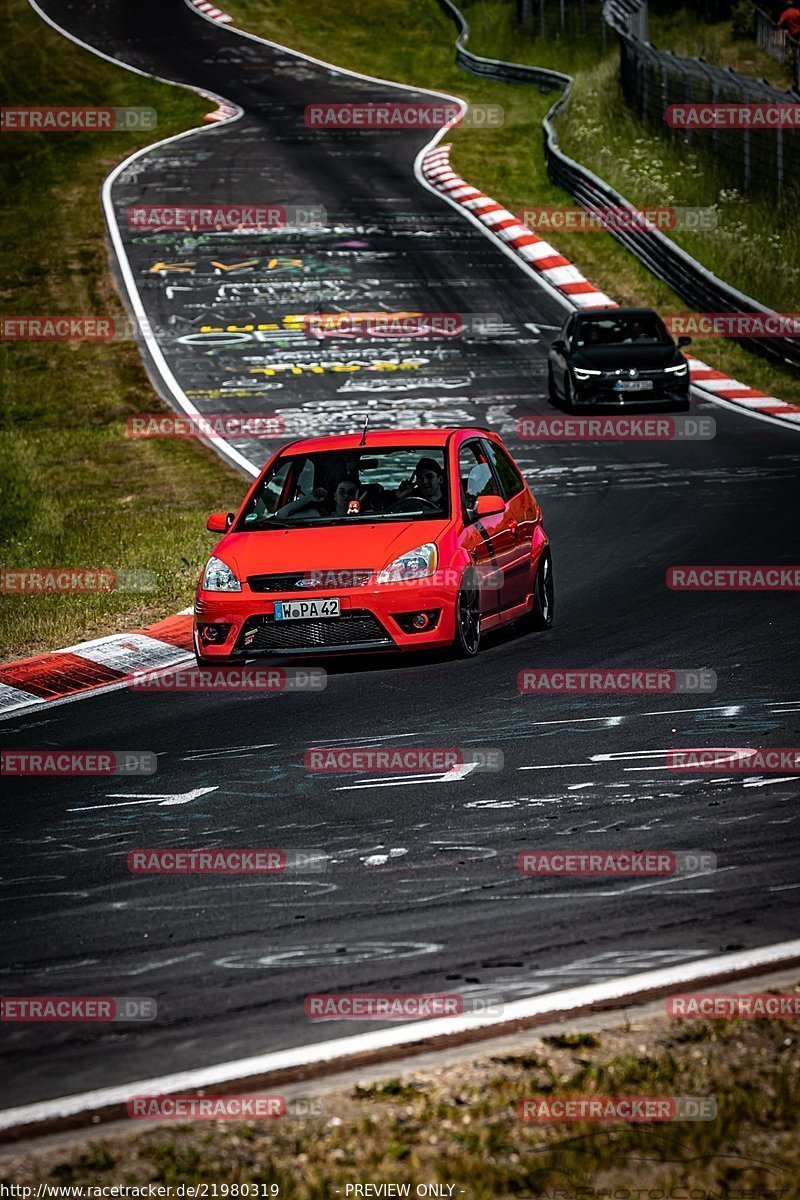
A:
[418,563]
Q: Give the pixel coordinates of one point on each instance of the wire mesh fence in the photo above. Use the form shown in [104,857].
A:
[755,158]
[553,19]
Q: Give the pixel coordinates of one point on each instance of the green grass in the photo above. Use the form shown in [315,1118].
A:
[414,45]
[753,246]
[458,1124]
[572,1041]
[76,492]
[682,32]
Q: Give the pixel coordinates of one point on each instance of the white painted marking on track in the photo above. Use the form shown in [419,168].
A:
[616,991]
[455,773]
[759,781]
[163,799]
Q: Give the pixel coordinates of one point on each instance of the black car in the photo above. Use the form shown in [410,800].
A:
[617,357]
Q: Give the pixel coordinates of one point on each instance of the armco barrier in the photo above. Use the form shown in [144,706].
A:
[701,289]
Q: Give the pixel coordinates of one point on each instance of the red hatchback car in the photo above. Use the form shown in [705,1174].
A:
[377,541]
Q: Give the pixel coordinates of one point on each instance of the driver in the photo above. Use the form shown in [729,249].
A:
[426,482]
[637,332]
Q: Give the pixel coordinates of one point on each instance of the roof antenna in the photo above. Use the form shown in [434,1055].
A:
[363,441]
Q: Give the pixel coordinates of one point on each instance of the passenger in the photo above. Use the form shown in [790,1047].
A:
[320,504]
[426,483]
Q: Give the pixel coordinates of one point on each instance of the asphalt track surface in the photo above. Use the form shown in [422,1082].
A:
[421,892]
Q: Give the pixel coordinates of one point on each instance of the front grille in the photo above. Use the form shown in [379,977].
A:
[341,577]
[324,633]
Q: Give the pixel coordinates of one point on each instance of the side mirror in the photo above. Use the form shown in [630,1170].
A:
[684,341]
[220,522]
[489,506]
[559,345]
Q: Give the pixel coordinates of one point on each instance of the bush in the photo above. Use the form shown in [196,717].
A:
[744,19]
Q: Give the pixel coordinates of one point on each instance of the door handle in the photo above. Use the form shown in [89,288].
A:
[512,525]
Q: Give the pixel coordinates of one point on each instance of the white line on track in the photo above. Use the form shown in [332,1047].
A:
[617,992]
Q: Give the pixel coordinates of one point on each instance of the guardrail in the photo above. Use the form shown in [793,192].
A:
[693,282]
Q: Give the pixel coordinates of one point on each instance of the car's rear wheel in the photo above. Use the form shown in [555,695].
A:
[543,603]
[467,641]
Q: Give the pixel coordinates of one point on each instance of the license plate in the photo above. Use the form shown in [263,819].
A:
[305,610]
[635,385]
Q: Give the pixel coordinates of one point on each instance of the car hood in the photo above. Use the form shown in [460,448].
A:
[613,358]
[327,548]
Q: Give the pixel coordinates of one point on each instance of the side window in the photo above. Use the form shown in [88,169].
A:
[276,490]
[475,473]
[569,329]
[305,481]
[510,482]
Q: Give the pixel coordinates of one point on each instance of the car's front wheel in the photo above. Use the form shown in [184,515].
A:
[467,640]
[542,606]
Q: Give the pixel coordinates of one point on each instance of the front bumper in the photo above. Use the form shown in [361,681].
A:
[373,618]
[602,393]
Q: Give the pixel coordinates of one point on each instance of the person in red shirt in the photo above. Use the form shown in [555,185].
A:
[790,18]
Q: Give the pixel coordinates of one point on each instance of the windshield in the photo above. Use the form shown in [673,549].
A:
[364,485]
[621,331]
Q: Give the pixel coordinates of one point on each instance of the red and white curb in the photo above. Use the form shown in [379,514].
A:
[106,663]
[211,10]
[537,253]
[314,1060]
[560,274]
[223,112]
[722,387]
